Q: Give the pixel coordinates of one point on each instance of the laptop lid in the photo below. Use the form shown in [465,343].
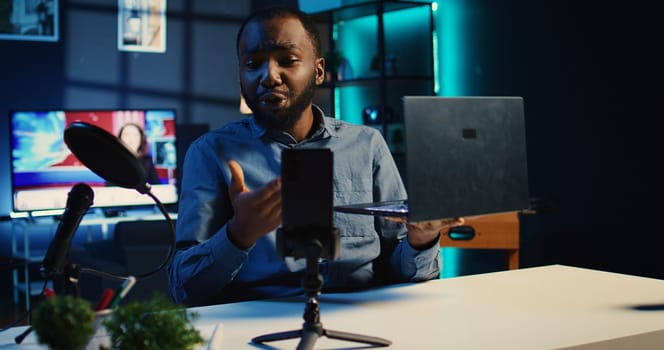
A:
[465,156]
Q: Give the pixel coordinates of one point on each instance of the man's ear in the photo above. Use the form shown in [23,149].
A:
[320,70]
[244,108]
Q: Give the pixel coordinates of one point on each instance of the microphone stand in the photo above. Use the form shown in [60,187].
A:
[19,338]
[312,328]
[79,136]
[71,273]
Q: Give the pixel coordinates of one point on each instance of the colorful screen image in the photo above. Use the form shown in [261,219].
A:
[44,169]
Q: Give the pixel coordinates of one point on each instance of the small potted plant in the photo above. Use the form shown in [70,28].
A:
[156,324]
[63,322]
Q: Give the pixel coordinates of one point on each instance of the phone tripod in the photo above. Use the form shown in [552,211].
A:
[312,328]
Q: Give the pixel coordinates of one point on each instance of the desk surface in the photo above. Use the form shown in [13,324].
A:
[551,307]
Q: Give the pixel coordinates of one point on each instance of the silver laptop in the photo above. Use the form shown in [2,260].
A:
[465,156]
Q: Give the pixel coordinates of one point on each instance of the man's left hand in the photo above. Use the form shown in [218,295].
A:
[423,233]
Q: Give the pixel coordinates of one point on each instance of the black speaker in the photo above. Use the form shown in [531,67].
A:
[185,135]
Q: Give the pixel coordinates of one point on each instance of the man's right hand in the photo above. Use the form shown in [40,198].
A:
[257,212]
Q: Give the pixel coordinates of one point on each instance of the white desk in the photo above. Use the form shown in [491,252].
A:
[550,307]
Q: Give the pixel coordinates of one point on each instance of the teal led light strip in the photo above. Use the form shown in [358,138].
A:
[434,38]
[337,104]
[335,31]
[449,19]
[436,73]
[449,58]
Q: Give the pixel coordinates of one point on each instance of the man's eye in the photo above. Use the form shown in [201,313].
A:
[253,62]
[288,61]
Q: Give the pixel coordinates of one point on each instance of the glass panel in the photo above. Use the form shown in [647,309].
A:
[408,42]
[357,42]
[354,99]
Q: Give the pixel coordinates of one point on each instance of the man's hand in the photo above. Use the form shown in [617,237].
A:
[422,234]
[257,212]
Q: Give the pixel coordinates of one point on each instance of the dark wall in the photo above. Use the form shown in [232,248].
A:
[588,72]
[197,75]
[589,75]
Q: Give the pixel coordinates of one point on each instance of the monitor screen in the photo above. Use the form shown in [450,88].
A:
[43,169]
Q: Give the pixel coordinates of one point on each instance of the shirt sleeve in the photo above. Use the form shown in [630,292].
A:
[406,262]
[199,272]
[416,265]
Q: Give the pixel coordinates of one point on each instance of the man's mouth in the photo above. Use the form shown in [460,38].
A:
[272,99]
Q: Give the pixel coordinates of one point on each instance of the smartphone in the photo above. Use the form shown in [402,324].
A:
[307,192]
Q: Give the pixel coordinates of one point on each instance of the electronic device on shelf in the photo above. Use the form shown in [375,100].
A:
[43,169]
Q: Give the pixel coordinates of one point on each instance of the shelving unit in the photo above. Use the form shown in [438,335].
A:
[377,52]
[21,280]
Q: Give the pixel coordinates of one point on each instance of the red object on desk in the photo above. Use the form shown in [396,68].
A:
[105,299]
[48,292]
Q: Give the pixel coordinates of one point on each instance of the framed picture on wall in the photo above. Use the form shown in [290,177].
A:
[35,20]
[142,25]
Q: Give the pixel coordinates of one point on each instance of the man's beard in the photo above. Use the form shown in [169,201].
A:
[285,119]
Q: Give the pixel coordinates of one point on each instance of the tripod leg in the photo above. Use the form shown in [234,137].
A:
[277,336]
[308,340]
[312,329]
[359,338]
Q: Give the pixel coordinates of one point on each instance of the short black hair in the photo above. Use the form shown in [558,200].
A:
[281,12]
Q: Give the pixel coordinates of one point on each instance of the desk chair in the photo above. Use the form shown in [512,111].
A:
[136,248]
[494,231]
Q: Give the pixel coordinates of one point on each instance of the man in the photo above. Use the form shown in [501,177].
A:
[231,192]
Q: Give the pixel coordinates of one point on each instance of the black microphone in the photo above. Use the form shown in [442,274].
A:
[106,156]
[79,201]
[109,158]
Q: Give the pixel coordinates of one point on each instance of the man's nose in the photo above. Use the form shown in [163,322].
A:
[271,74]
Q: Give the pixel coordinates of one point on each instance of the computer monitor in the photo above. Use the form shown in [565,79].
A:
[43,169]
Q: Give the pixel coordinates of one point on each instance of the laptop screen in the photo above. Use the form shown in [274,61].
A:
[464,156]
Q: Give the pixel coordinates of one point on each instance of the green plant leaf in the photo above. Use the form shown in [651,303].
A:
[156,324]
[63,322]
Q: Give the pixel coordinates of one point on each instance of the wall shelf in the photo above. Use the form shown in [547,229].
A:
[388,46]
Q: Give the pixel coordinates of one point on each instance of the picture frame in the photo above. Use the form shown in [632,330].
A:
[142,25]
[31,20]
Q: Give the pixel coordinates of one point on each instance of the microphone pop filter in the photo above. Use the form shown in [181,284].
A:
[106,156]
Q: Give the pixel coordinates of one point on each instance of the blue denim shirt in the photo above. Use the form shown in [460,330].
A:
[373,251]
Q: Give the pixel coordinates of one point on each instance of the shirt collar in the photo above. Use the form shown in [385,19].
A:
[324,128]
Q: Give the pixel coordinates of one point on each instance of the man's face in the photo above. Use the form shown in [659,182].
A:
[279,71]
